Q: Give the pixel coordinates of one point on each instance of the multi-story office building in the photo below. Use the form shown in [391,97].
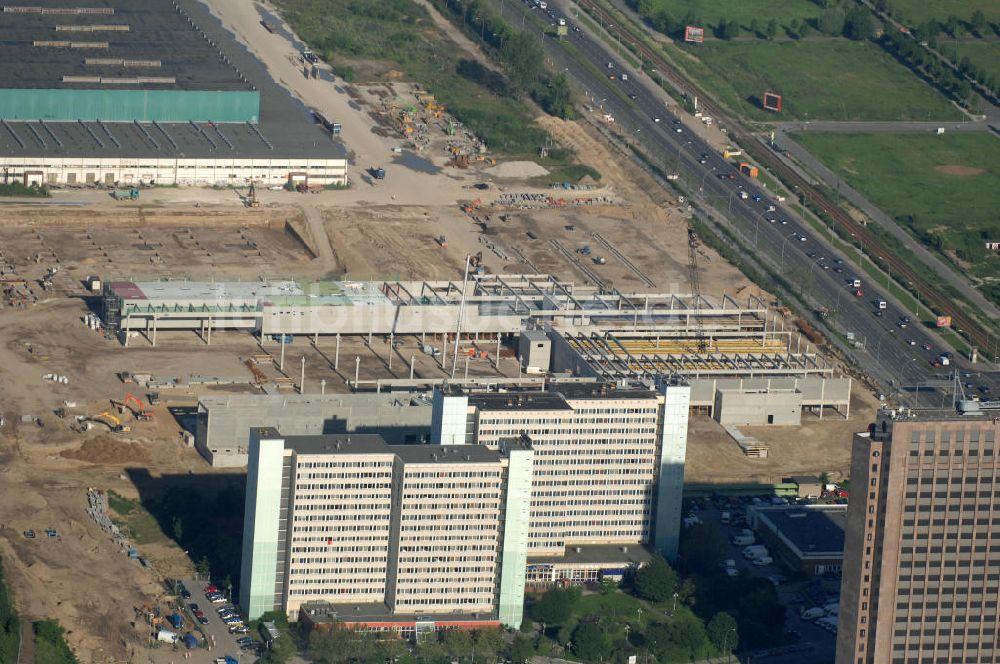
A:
[922,550]
[392,534]
[609,463]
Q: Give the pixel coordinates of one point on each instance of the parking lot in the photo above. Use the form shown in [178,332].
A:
[220,642]
[808,643]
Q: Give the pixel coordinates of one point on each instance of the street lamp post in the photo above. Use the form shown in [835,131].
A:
[701,189]
[787,237]
[674,609]
[725,645]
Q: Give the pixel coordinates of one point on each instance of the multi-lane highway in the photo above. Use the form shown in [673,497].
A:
[892,349]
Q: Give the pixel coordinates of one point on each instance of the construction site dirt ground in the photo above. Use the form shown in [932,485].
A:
[815,447]
[81,578]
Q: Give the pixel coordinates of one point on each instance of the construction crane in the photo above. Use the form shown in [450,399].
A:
[138,410]
[112,422]
[695,287]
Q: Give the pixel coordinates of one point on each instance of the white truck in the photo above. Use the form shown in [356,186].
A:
[762,561]
[755,551]
[166,636]
[745,538]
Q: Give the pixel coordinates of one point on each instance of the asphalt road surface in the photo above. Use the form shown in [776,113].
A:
[895,355]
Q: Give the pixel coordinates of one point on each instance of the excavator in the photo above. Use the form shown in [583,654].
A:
[112,422]
[135,406]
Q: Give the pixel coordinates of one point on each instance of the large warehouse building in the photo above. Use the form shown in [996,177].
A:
[146,92]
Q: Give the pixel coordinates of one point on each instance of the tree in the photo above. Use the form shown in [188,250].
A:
[556,97]
[831,21]
[203,568]
[281,650]
[553,607]
[793,27]
[772,29]
[755,26]
[805,30]
[687,633]
[727,29]
[951,25]
[978,22]
[883,7]
[722,632]
[521,650]
[589,642]
[178,529]
[963,90]
[657,581]
[858,25]
[700,550]
[429,649]
[487,643]
[457,643]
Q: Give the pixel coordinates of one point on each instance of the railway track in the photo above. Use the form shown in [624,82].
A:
[940,302]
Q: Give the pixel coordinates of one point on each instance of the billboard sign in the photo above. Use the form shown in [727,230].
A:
[694,35]
[944,321]
[772,102]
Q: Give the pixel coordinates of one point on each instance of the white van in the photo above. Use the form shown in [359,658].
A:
[882,304]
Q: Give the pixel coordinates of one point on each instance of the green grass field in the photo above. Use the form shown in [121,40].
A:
[916,12]
[744,11]
[381,39]
[945,189]
[985,54]
[819,79]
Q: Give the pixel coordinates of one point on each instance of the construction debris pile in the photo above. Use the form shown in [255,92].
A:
[526,201]
[97,508]
[424,122]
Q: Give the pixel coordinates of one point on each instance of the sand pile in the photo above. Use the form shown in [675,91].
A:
[105,449]
[517,169]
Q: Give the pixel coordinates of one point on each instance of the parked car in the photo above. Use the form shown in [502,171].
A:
[238,629]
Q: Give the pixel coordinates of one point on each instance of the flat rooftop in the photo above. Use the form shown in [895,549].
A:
[328,612]
[286,128]
[372,443]
[291,293]
[597,554]
[814,532]
[115,40]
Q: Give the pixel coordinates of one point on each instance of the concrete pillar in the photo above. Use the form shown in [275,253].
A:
[423,337]
[412,360]
[209,331]
[357,370]
[315,338]
[128,326]
[322,386]
[822,396]
[370,332]
[497,362]
[302,376]
[281,361]
[390,351]
[466,367]
[154,330]
[849,386]
[336,354]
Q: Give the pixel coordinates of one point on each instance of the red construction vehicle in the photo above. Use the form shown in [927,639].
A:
[134,405]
